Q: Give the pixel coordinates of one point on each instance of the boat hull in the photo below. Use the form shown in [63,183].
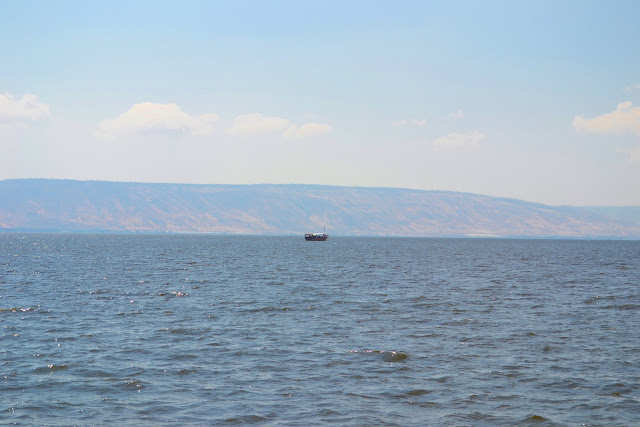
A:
[316,237]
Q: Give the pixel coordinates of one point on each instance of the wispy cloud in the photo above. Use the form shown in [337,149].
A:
[412,122]
[257,124]
[625,118]
[456,140]
[150,118]
[456,114]
[633,153]
[27,108]
[306,130]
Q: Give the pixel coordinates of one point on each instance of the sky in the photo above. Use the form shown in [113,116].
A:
[535,100]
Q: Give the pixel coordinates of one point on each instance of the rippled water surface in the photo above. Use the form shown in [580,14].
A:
[141,329]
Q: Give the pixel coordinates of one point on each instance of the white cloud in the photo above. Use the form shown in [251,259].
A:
[459,140]
[456,114]
[26,108]
[257,124]
[306,130]
[625,118]
[412,122]
[149,117]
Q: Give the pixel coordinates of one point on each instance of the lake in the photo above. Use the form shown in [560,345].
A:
[201,330]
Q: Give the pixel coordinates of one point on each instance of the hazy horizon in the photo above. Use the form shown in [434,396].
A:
[534,100]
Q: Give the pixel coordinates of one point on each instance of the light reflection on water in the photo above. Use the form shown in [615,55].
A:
[98,329]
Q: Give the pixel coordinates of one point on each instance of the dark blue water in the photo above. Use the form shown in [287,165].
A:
[138,329]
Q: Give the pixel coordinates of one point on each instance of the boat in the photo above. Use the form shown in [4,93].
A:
[316,237]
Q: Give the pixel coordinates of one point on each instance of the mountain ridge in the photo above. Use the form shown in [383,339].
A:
[107,206]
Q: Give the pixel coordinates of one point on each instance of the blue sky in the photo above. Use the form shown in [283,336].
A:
[538,100]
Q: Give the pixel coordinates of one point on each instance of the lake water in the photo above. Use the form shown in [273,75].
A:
[201,330]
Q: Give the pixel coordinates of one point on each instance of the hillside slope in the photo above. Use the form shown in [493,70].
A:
[64,205]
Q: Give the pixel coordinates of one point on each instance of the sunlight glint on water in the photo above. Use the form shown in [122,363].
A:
[99,329]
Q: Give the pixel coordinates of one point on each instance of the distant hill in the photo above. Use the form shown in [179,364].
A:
[65,205]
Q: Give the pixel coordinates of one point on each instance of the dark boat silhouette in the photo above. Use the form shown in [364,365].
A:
[316,237]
